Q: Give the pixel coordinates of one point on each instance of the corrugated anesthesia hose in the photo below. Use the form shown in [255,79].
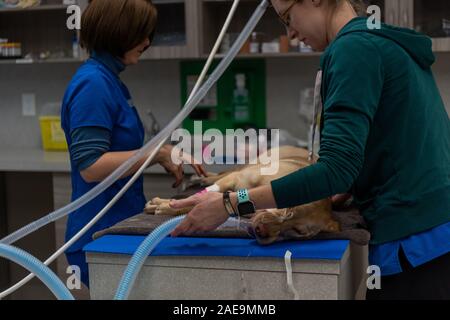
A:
[32,264]
[145,249]
[138,259]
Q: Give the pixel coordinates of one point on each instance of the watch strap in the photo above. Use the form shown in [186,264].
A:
[228,205]
[243,196]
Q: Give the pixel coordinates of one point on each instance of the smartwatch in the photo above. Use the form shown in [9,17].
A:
[245,206]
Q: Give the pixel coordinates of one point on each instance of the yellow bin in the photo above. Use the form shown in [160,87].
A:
[53,138]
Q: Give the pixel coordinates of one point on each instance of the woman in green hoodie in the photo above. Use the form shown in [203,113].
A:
[385,139]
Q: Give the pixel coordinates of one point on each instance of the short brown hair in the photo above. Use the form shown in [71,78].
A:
[117,26]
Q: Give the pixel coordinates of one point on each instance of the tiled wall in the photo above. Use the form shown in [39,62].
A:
[155,85]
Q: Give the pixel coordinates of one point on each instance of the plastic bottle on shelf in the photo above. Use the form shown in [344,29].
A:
[16,50]
[254,43]
[305,48]
[6,50]
[241,100]
[3,43]
[284,44]
[75,47]
[294,45]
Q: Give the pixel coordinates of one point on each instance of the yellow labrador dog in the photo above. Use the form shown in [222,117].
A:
[267,225]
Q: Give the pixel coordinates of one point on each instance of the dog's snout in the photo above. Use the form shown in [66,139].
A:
[258,231]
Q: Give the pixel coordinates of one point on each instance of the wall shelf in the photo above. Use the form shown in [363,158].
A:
[271,55]
[187,29]
[40,61]
[44,7]
[441,44]
[219,56]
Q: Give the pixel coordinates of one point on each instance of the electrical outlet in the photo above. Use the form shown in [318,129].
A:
[28,104]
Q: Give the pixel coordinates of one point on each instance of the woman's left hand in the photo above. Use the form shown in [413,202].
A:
[208,213]
[339,200]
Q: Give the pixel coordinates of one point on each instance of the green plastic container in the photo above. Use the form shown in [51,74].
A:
[222,109]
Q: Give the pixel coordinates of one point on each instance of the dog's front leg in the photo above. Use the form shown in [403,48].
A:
[160,206]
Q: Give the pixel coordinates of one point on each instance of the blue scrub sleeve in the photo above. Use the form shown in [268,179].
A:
[93,105]
[88,145]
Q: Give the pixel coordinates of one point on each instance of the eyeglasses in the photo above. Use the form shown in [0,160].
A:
[285,16]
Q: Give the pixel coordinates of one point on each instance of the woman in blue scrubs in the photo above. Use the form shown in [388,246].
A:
[101,124]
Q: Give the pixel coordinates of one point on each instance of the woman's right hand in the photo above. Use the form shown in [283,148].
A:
[164,158]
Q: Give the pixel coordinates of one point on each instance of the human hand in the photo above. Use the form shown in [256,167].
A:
[339,200]
[208,213]
[164,158]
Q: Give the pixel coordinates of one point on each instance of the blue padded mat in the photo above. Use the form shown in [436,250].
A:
[222,247]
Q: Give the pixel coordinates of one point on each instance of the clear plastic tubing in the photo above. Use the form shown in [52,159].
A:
[152,144]
[136,175]
[32,264]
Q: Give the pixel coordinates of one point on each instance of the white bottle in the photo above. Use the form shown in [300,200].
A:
[75,47]
[254,43]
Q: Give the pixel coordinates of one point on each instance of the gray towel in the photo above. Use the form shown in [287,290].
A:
[352,225]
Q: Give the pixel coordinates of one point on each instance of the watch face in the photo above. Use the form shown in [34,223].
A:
[246,208]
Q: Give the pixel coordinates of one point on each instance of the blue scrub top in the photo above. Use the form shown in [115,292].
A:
[97,97]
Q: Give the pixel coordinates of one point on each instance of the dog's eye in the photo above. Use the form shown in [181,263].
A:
[258,231]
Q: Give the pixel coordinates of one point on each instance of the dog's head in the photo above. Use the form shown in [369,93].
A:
[267,225]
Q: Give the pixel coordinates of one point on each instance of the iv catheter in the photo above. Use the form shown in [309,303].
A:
[193,95]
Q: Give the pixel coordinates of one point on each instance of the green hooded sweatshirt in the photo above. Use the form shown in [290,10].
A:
[385,133]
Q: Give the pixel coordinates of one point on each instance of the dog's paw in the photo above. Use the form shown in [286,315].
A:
[164,209]
[152,207]
[159,206]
